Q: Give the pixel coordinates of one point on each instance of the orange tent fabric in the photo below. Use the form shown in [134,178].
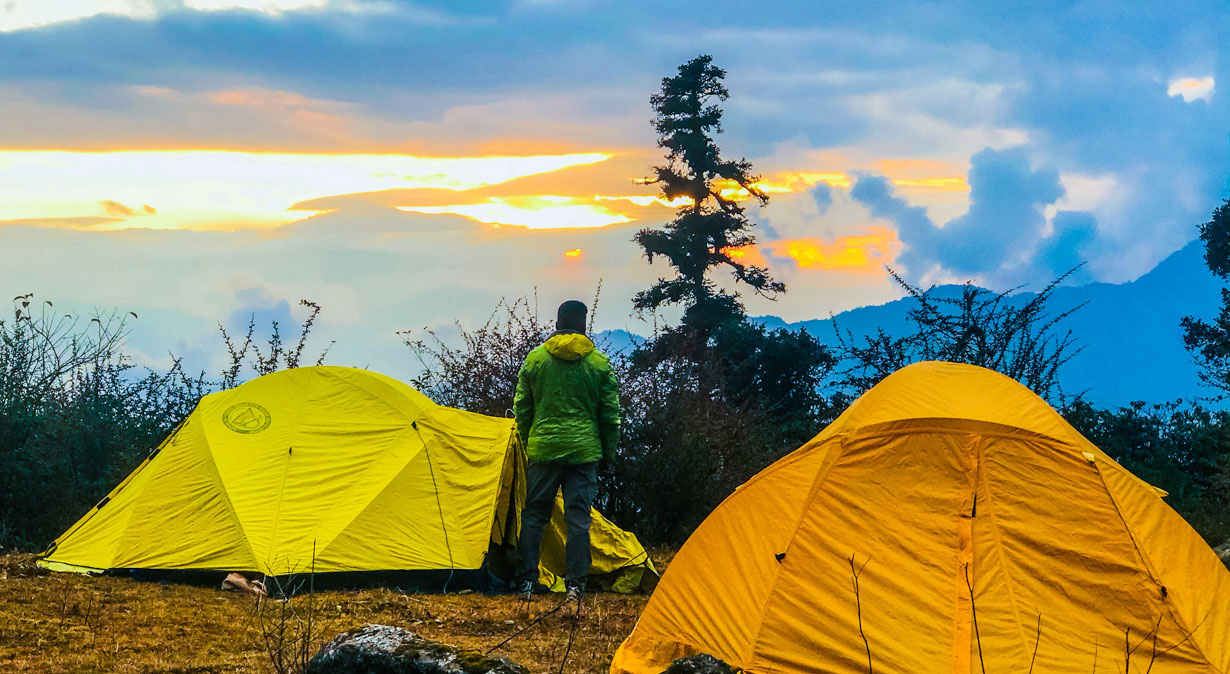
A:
[950,521]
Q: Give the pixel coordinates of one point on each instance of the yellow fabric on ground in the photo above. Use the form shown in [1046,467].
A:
[618,560]
[981,527]
[324,468]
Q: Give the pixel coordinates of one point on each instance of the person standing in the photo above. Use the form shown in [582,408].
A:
[567,414]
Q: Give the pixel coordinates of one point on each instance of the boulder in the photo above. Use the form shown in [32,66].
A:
[381,649]
[699,664]
[1223,551]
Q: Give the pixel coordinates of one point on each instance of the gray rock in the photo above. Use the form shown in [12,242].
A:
[1223,551]
[699,664]
[381,649]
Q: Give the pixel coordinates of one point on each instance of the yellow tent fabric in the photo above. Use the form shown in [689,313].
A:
[325,468]
[956,521]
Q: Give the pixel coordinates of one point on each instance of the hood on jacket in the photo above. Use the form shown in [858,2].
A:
[569,345]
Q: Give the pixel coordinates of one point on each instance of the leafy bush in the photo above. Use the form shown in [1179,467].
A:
[76,415]
[1179,448]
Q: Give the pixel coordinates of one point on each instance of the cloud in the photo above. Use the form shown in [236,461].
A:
[83,222]
[266,6]
[876,193]
[539,212]
[859,253]
[27,14]
[228,190]
[1191,89]
[1069,246]
[823,196]
[115,208]
[256,97]
[1005,221]
[908,93]
[259,308]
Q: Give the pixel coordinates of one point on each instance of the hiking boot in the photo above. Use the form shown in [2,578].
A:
[525,589]
[575,592]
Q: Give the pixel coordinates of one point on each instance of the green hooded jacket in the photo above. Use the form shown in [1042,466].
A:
[567,402]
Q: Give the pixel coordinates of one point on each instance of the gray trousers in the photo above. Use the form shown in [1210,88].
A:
[542,482]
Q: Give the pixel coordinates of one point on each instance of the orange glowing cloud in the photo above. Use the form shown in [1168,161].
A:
[925,174]
[535,212]
[546,211]
[641,200]
[903,173]
[1192,88]
[574,253]
[218,189]
[946,184]
[229,189]
[862,252]
[747,255]
[263,98]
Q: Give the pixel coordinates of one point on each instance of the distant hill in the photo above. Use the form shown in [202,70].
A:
[1133,344]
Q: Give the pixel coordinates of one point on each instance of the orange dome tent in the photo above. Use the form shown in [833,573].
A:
[949,521]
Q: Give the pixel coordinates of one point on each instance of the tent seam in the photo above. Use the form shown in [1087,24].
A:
[145,463]
[1148,568]
[393,476]
[357,480]
[207,459]
[936,425]
[495,500]
[94,510]
[277,512]
[212,464]
[996,537]
[423,416]
[226,494]
[811,495]
[375,394]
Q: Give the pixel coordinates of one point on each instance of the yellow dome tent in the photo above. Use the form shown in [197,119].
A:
[327,469]
[949,521]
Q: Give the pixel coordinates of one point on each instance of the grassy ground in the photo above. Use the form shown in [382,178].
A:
[62,623]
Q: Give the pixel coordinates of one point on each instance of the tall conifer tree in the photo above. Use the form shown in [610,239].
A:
[704,233]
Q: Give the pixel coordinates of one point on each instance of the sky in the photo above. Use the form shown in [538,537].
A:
[408,164]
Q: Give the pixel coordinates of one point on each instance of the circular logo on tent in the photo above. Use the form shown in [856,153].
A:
[246,418]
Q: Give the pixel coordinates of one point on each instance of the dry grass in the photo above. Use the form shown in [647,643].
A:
[64,623]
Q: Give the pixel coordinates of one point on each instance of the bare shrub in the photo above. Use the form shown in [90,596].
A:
[289,626]
[479,373]
[249,355]
[980,327]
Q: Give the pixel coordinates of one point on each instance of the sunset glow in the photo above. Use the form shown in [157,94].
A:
[949,184]
[1191,88]
[747,255]
[647,200]
[541,212]
[228,189]
[862,252]
[408,164]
